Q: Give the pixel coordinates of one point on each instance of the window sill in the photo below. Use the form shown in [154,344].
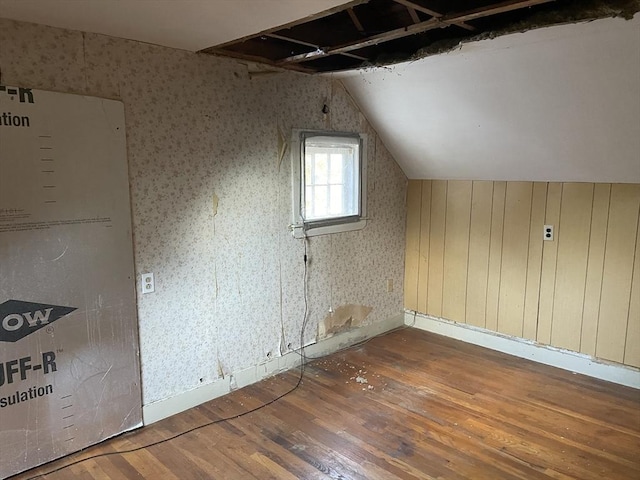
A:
[299,231]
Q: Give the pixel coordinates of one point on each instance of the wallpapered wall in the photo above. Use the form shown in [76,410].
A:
[201,131]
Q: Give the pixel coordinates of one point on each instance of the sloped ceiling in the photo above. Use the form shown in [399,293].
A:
[184,24]
[555,104]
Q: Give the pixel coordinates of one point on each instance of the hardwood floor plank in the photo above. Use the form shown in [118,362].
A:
[406,405]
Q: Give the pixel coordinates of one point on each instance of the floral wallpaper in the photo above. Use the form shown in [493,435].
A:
[211,200]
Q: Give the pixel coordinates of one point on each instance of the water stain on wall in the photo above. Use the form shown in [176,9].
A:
[344,318]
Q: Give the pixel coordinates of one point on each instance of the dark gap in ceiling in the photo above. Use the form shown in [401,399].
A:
[379,32]
[275,49]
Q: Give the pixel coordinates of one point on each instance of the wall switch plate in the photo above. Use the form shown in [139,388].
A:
[148,284]
[389,284]
[548,233]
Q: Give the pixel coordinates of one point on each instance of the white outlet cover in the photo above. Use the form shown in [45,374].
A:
[547,234]
[147,283]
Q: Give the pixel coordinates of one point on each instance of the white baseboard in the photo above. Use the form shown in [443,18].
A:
[519,347]
[156,411]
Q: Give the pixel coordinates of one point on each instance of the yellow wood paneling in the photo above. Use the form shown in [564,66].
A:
[436,247]
[456,250]
[495,254]
[595,265]
[515,253]
[425,232]
[479,241]
[475,254]
[534,262]
[618,271]
[632,345]
[571,265]
[412,249]
[549,256]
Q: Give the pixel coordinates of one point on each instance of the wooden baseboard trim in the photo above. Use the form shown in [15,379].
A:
[156,411]
[520,347]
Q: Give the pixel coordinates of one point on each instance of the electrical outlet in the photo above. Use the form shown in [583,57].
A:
[389,284]
[148,284]
[548,233]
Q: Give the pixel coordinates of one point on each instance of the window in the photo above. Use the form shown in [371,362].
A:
[329,170]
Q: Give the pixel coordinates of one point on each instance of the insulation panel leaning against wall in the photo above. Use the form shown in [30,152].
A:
[211,200]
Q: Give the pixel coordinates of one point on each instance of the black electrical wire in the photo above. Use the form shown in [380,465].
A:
[303,361]
[220,420]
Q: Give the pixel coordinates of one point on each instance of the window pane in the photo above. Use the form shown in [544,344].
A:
[331,177]
[308,169]
[335,200]
[320,201]
[335,173]
[321,169]
[308,202]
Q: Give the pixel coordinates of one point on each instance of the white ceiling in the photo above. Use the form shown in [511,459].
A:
[554,104]
[185,24]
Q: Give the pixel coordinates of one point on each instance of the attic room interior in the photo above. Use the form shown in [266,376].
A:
[308,239]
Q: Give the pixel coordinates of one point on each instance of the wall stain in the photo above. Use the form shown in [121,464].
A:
[344,318]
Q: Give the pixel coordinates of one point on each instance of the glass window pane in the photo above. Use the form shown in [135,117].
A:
[331,177]
[308,168]
[308,202]
[321,169]
[335,200]
[320,201]
[335,172]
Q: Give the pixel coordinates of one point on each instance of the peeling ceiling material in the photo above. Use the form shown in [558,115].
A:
[375,32]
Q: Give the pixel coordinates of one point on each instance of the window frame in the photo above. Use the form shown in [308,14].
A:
[306,228]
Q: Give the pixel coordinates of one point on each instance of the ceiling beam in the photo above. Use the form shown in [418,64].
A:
[355,20]
[414,15]
[412,5]
[295,23]
[418,7]
[374,40]
[310,45]
[252,58]
[430,24]
[497,8]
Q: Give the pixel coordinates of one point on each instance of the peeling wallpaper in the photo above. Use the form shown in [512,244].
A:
[211,202]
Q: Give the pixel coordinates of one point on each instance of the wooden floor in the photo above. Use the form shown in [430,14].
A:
[431,407]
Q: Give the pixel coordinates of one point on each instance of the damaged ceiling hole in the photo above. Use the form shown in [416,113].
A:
[366,33]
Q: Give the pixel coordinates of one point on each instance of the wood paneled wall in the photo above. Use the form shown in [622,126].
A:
[475,254]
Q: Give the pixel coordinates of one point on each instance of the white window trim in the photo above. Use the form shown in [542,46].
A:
[298,226]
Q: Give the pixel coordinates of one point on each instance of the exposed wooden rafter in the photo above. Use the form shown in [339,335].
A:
[497,8]
[370,32]
[310,45]
[416,7]
[254,59]
[355,20]
[432,23]
[326,13]
[413,14]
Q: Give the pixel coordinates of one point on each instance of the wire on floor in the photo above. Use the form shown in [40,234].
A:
[304,359]
[220,420]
